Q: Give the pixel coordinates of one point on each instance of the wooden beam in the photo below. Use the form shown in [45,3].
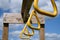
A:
[5,31]
[42,32]
[16,18]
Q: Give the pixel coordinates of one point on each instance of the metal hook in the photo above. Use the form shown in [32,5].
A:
[40,11]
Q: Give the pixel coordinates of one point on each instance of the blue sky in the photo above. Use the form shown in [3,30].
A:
[52,25]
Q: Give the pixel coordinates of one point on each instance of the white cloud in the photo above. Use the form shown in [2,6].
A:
[4,4]
[48,36]
[1,23]
[15,5]
[16,26]
[15,33]
[10,38]
[52,36]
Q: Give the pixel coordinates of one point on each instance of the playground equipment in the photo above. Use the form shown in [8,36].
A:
[26,18]
[40,11]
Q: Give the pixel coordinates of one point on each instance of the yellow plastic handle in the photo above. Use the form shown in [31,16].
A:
[51,14]
[38,22]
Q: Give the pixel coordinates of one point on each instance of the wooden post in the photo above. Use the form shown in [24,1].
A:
[42,33]
[5,31]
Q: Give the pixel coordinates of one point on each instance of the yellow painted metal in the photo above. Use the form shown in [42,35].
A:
[38,22]
[40,11]
[30,26]
[26,32]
